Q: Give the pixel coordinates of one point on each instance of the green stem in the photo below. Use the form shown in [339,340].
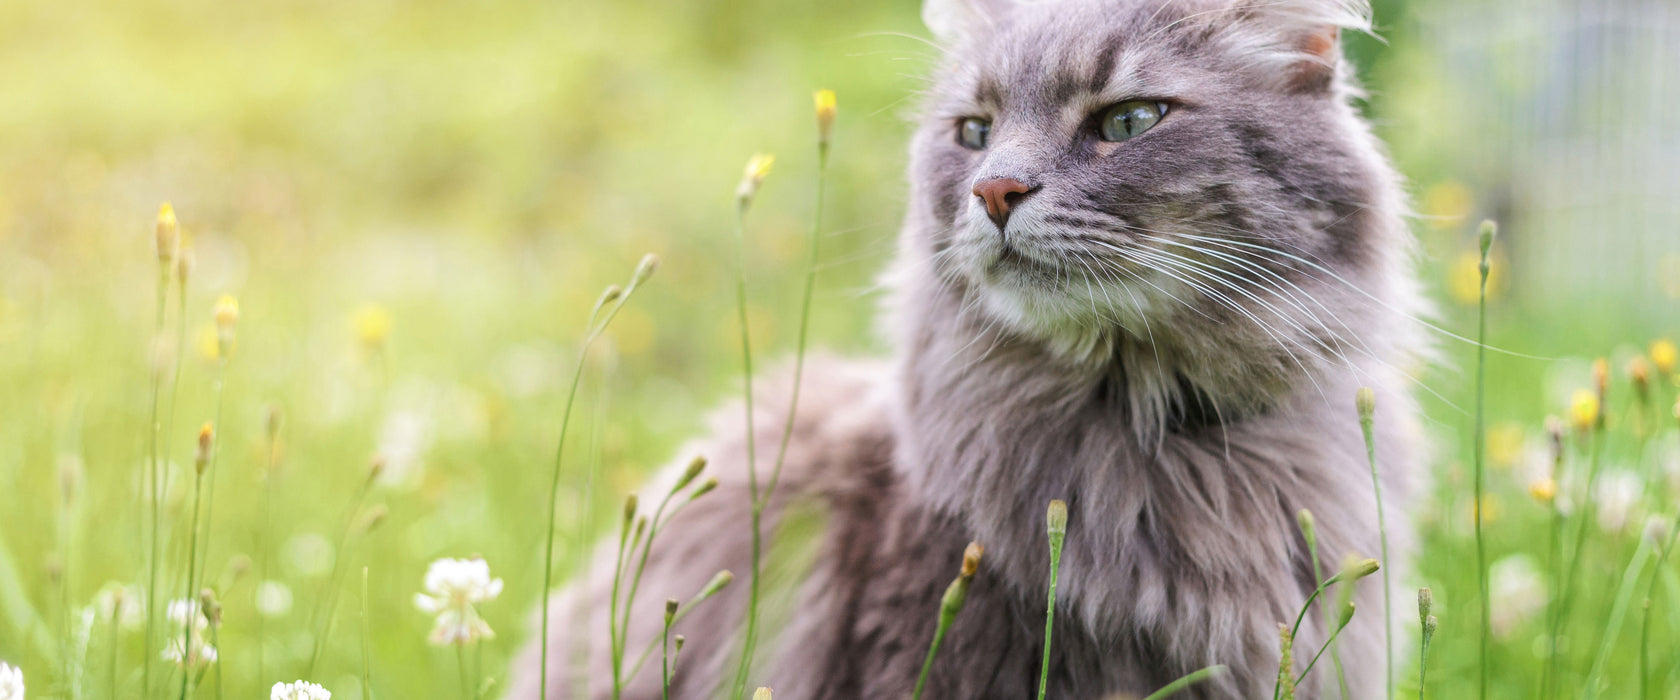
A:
[592,331]
[215,454]
[190,598]
[739,686]
[153,469]
[327,604]
[367,651]
[1480,477]
[1056,539]
[1366,424]
[1566,598]
[1650,594]
[1618,612]
[1188,680]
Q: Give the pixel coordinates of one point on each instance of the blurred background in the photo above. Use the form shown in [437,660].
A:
[417,202]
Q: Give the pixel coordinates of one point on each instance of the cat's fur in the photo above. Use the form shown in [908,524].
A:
[1185,407]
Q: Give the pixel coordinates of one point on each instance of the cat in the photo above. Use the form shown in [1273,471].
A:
[1152,250]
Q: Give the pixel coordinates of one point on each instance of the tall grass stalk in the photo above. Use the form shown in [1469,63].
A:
[717,583]
[611,301]
[1597,436]
[327,602]
[226,316]
[757,168]
[652,526]
[1554,551]
[1056,527]
[1673,523]
[1427,625]
[1366,403]
[824,101]
[956,595]
[271,425]
[671,606]
[168,242]
[1350,573]
[1618,613]
[1488,231]
[206,447]
[367,644]
[1186,681]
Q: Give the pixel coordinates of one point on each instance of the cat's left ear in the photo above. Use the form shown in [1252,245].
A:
[1296,43]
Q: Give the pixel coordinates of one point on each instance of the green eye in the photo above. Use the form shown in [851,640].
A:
[1128,119]
[973,132]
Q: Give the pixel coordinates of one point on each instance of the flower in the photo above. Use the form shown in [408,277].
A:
[826,108]
[11,682]
[227,317]
[298,690]
[1583,410]
[197,652]
[453,587]
[168,236]
[373,326]
[757,168]
[1543,489]
[1664,355]
[121,603]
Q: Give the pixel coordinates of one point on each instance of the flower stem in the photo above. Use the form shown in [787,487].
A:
[749,639]
[1487,234]
[1188,680]
[1367,423]
[1057,531]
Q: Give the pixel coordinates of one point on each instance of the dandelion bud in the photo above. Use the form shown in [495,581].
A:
[971,559]
[757,168]
[1056,518]
[1554,430]
[1426,602]
[704,488]
[1366,401]
[376,466]
[212,608]
[206,440]
[609,295]
[1429,625]
[1665,356]
[719,580]
[1345,614]
[762,693]
[1309,528]
[1489,230]
[168,233]
[227,316]
[372,519]
[671,605]
[644,269]
[184,263]
[678,641]
[641,527]
[1583,410]
[1358,569]
[1639,372]
[629,509]
[1601,376]
[826,109]
[694,468]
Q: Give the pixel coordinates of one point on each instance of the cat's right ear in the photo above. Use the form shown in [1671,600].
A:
[952,21]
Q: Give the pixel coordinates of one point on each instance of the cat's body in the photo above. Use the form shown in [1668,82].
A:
[1166,331]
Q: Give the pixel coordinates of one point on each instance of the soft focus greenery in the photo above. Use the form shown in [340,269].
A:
[417,203]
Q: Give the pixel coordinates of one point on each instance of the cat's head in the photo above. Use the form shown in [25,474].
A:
[1183,172]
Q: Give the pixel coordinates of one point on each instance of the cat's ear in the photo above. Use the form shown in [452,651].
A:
[1297,43]
[951,21]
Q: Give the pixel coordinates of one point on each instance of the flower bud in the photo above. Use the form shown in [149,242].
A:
[1056,518]
[826,108]
[168,233]
[1366,401]
[644,269]
[753,177]
[206,440]
[694,468]
[971,560]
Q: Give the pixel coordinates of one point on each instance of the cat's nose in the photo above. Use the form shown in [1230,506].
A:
[1001,194]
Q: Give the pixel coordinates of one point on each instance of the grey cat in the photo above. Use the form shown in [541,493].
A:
[1151,252]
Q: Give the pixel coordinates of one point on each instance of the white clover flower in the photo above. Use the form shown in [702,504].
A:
[122,602]
[453,587]
[300,690]
[274,599]
[1617,496]
[196,652]
[11,682]
[1517,592]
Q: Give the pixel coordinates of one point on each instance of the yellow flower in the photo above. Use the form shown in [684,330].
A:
[826,108]
[227,311]
[1448,203]
[1664,355]
[757,168]
[1543,489]
[168,233]
[373,325]
[1583,410]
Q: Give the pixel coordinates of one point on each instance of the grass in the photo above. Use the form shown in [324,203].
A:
[480,217]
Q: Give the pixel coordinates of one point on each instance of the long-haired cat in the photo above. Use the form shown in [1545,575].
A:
[1151,252]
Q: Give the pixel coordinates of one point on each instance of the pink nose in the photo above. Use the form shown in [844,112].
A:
[1000,194]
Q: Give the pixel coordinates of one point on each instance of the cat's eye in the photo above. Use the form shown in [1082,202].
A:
[973,132]
[1128,119]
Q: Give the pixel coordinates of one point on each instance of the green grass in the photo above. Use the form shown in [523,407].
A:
[476,177]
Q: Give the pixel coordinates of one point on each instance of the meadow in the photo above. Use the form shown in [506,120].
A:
[399,217]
